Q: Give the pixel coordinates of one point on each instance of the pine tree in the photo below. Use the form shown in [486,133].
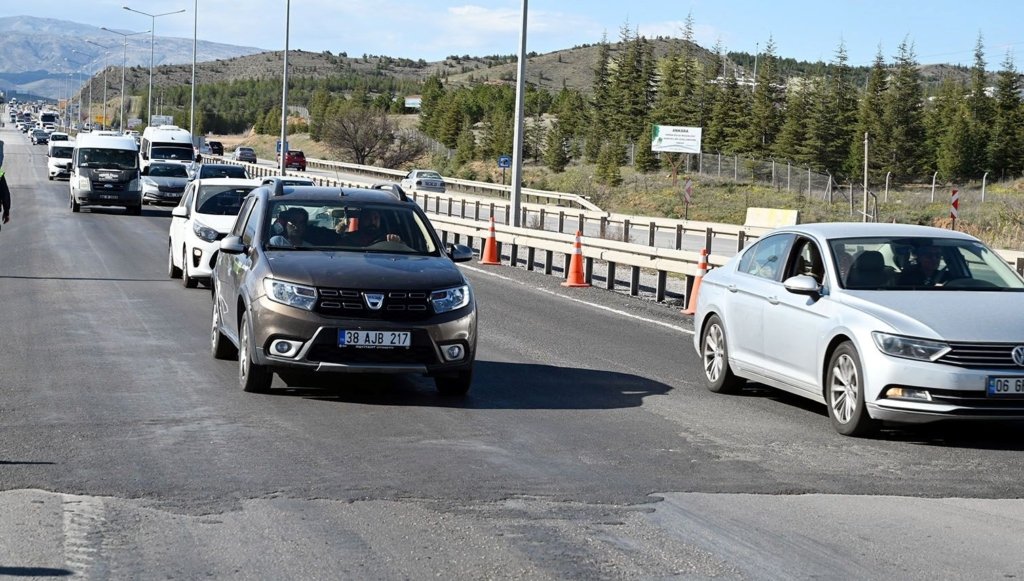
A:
[602,104]
[465,148]
[955,159]
[645,160]
[794,132]
[729,118]
[833,116]
[768,99]
[432,96]
[1006,146]
[980,107]
[556,151]
[608,172]
[904,118]
[870,120]
[317,111]
[939,117]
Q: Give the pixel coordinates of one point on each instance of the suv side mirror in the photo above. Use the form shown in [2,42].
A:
[232,245]
[460,253]
[145,155]
[179,212]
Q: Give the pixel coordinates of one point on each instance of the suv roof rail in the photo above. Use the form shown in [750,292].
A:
[393,187]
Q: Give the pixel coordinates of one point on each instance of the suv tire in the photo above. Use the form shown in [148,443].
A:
[454,384]
[220,346]
[253,377]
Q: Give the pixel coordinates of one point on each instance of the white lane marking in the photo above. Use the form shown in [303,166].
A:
[580,301]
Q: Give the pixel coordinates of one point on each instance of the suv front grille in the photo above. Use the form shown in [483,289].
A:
[981,355]
[352,304]
[420,351]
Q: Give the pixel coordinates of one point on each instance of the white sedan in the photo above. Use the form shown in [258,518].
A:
[204,215]
[880,322]
[423,180]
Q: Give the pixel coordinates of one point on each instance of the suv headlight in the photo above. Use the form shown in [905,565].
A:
[908,347]
[450,299]
[293,295]
[204,232]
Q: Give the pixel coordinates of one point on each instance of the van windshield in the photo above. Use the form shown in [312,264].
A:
[108,158]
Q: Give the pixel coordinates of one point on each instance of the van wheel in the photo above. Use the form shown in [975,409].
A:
[75,206]
[186,280]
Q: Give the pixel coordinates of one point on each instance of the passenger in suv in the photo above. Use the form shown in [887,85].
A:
[310,297]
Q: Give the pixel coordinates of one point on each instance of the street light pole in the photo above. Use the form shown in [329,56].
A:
[192,108]
[284,91]
[517,138]
[152,44]
[124,60]
[106,54]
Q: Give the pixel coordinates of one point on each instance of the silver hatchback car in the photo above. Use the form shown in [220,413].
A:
[877,321]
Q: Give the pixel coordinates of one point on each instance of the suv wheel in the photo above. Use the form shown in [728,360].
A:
[187,280]
[253,377]
[454,384]
[220,347]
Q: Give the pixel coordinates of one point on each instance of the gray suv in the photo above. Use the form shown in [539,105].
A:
[341,280]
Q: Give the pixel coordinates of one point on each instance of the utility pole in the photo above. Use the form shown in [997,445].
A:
[865,210]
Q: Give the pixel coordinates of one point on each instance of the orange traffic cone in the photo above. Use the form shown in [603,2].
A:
[353,224]
[575,274]
[702,269]
[490,253]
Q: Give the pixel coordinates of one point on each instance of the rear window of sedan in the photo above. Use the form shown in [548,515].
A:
[223,171]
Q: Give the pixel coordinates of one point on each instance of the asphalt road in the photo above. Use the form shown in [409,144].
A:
[587,448]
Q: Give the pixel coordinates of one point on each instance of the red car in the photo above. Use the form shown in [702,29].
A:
[294,159]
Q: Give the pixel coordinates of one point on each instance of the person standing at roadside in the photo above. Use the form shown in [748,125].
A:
[5,192]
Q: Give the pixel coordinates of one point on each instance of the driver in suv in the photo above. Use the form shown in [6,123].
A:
[309,297]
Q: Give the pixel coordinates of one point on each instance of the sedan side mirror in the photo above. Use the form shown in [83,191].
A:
[803,284]
[460,253]
[232,245]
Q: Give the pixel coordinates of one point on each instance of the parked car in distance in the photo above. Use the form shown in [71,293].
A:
[39,137]
[423,180]
[246,154]
[880,322]
[216,147]
[163,182]
[294,159]
[219,170]
[346,281]
[203,216]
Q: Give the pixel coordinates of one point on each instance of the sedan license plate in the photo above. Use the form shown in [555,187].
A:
[374,339]
[1012,386]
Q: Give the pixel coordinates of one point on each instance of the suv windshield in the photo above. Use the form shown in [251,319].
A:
[172,152]
[221,200]
[168,170]
[337,225]
[108,158]
[222,171]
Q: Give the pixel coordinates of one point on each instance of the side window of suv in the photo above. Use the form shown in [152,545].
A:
[243,216]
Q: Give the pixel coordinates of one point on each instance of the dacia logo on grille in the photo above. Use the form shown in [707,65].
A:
[376,300]
[1018,355]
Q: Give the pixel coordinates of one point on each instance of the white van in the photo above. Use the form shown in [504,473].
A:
[105,172]
[58,158]
[166,143]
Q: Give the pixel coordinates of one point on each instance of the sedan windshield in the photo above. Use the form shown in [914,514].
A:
[348,227]
[921,263]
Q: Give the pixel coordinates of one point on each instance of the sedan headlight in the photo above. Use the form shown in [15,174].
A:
[450,299]
[909,347]
[204,232]
[293,295]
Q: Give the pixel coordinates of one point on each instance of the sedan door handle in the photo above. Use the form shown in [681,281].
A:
[773,300]
[732,288]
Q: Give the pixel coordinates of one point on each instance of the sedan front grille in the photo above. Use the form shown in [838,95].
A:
[171,189]
[352,304]
[981,355]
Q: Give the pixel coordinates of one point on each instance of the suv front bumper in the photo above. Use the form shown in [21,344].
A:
[316,339]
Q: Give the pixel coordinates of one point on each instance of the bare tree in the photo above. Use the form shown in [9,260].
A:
[406,147]
[360,134]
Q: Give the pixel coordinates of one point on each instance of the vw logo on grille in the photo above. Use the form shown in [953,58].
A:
[376,300]
[1018,355]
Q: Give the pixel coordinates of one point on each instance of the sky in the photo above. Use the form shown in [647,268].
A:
[941,31]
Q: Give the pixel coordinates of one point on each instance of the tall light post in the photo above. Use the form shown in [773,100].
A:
[195,37]
[106,53]
[516,196]
[124,61]
[284,91]
[152,44]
